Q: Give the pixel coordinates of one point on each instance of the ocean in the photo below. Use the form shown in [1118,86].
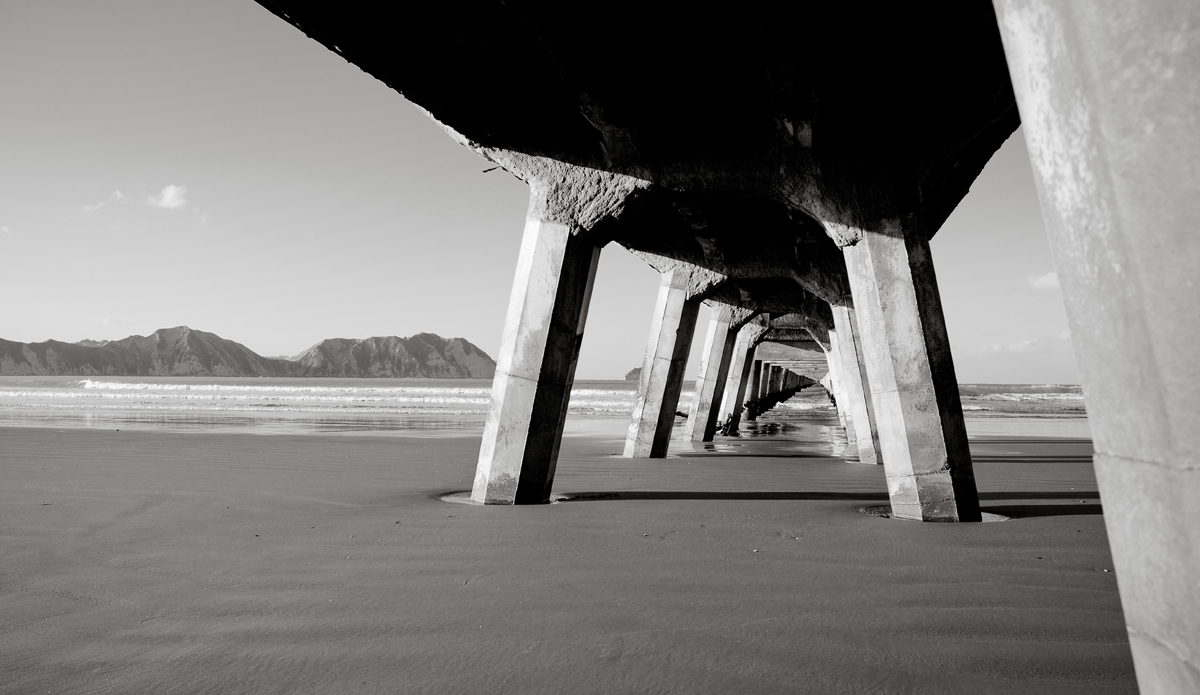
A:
[440,407]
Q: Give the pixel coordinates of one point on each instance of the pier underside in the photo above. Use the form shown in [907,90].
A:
[789,167]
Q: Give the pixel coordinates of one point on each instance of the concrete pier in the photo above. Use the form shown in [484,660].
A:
[773,187]
[857,386]
[739,375]
[764,382]
[719,344]
[843,399]
[672,329]
[836,384]
[755,382]
[1109,95]
[536,364]
[910,371]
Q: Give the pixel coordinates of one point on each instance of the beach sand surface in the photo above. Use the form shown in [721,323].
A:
[159,562]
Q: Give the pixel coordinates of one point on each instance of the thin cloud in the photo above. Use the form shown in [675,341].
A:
[170,198]
[6,230]
[115,197]
[1046,283]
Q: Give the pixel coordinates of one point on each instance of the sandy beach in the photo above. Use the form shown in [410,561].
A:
[162,562]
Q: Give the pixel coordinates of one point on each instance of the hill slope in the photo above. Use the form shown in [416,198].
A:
[181,351]
[422,355]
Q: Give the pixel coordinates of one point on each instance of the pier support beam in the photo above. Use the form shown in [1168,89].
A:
[739,375]
[857,386]
[671,331]
[755,386]
[837,383]
[776,383]
[1108,95]
[536,364]
[911,374]
[714,370]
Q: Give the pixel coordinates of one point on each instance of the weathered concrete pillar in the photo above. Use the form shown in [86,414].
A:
[764,385]
[536,365]
[755,385]
[902,336]
[714,370]
[858,390]
[835,378]
[776,384]
[739,375]
[843,399]
[671,332]
[1109,95]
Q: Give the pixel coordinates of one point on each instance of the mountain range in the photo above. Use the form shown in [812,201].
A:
[182,351]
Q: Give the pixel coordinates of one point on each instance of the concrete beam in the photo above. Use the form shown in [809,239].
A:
[1109,95]
[858,389]
[714,369]
[840,395]
[739,375]
[776,383]
[902,336]
[536,364]
[671,330]
[755,386]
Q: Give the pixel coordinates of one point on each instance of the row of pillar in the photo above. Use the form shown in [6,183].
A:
[1108,103]
[895,382]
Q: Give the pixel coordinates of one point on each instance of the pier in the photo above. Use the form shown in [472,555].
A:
[788,168]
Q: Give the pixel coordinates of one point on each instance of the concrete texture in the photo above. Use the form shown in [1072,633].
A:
[536,365]
[1109,95]
[719,345]
[835,382]
[671,332]
[733,402]
[857,388]
[910,371]
[754,386]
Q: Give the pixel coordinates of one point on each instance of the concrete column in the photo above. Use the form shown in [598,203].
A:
[776,380]
[671,332]
[843,400]
[857,387]
[714,371]
[536,365]
[835,378]
[755,385]
[902,335]
[765,381]
[748,339]
[1109,95]
[739,371]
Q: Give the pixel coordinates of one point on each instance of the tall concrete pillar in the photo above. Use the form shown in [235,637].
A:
[776,384]
[917,411]
[764,386]
[843,399]
[755,385]
[536,364]
[740,375]
[858,390]
[671,332]
[714,370]
[1109,95]
[835,377]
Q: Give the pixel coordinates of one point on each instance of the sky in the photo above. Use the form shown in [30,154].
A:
[168,163]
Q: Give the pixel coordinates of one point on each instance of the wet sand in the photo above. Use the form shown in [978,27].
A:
[156,562]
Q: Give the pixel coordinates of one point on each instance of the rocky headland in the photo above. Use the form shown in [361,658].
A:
[182,351]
